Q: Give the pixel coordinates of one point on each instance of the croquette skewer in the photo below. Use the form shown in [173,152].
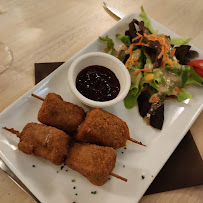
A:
[125,136]
[59,113]
[103,128]
[44,141]
[29,145]
[94,162]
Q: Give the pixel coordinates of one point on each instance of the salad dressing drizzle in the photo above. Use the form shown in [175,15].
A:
[151,112]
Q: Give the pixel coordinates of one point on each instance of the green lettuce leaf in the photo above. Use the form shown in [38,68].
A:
[183,95]
[194,78]
[181,70]
[158,79]
[135,90]
[148,59]
[180,41]
[131,99]
[110,45]
[124,38]
[147,22]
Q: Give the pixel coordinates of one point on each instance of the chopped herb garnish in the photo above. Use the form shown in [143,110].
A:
[56,171]
[94,192]
[62,167]
[123,166]
[143,177]
[74,188]
[33,165]
[73,180]
[74,202]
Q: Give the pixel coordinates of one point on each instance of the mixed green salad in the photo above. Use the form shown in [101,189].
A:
[158,68]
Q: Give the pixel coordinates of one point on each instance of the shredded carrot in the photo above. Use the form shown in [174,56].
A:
[130,59]
[153,37]
[169,97]
[172,52]
[161,53]
[138,34]
[176,90]
[154,98]
[164,46]
[142,44]
[140,40]
[144,70]
[164,58]
[136,44]
[130,51]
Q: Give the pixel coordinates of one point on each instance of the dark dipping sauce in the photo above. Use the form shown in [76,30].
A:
[97,83]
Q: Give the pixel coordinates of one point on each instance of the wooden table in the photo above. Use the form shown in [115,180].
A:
[47,31]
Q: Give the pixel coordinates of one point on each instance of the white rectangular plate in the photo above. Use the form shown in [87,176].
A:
[49,186]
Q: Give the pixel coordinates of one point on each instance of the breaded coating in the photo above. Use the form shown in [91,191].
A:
[103,128]
[92,161]
[60,114]
[45,141]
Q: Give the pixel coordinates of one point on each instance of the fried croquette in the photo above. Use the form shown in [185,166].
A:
[103,128]
[92,161]
[45,141]
[60,114]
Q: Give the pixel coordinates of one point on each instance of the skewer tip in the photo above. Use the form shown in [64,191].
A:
[135,141]
[119,177]
[38,97]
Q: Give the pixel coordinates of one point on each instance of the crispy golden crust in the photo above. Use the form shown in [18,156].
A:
[92,161]
[103,128]
[45,141]
[60,114]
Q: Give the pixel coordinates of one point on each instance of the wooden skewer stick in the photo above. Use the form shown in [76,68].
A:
[135,141]
[38,97]
[12,130]
[119,177]
[131,139]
